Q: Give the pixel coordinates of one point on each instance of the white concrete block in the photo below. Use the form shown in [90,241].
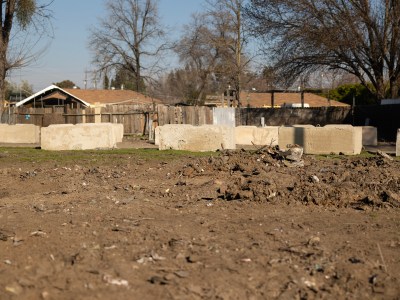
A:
[303,125]
[157,136]
[196,138]
[118,131]
[338,126]
[398,143]
[334,139]
[79,137]
[19,134]
[369,136]
[249,135]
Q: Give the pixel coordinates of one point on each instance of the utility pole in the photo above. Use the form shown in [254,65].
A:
[85,80]
[238,49]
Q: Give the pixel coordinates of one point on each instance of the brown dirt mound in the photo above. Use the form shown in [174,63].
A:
[267,176]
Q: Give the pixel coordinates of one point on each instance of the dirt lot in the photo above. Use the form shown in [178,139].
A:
[144,224]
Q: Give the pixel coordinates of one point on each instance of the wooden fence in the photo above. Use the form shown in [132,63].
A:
[135,118]
[194,115]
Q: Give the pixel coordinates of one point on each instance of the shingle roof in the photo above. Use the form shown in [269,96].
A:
[111,96]
[91,97]
[264,99]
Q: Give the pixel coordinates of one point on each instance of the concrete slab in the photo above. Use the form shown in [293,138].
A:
[304,126]
[157,135]
[369,136]
[117,128]
[333,139]
[19,134]
[79,137]
[249,135]
[196,138]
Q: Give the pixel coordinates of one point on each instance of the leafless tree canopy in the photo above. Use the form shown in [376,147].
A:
[23,24]
[361,37]
[214,45]
[130,37]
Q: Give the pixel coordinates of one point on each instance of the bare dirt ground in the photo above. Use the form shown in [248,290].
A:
[144,224]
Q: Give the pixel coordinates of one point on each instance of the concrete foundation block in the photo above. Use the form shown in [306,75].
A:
[330,139]
[369,136]
[157,135]
[304,126]
[398,143]
[118,131]
[79,137]
[249,135]
[196,138]
[19,134]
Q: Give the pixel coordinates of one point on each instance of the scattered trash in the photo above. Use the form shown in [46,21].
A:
[153,257]
[17,240]
[314,179]
[293,153]
[38,233]
[384,155]
[182,274]
[110,247]
[14,289]
[373,279]
[314,240]
[115,281]
[3,236]
[355,260]
[158,280]
[311,285]
[157,257]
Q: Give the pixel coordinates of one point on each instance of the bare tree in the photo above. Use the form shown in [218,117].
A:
[361,37]
[214,43]
[199,50]
[228,17]
[130,37]
[23,24]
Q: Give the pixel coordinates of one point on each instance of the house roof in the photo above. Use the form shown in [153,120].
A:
[264,99]
[111,96]
[46,92]
[91,97]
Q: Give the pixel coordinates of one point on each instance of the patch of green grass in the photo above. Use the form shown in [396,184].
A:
[10,155]
[363,154]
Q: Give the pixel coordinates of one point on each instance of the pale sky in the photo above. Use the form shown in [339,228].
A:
[67,56]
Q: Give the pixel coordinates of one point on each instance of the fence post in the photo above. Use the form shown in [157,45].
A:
[97,113]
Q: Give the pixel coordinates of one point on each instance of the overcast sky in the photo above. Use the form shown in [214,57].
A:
[67,56]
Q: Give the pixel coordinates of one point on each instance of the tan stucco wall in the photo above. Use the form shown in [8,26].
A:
[398,143]
[19,134]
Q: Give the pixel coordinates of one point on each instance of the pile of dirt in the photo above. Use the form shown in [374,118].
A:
[269,176]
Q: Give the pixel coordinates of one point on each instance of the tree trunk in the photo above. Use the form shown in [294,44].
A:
[380,88]
[2,83]
[394,88]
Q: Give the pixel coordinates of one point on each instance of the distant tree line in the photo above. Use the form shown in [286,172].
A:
[239,46]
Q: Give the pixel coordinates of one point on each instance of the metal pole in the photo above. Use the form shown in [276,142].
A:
[352,107]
